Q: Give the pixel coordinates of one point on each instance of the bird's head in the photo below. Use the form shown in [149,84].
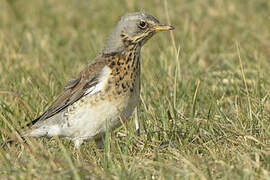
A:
[133,29]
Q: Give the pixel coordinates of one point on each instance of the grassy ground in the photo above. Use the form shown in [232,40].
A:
[205,110]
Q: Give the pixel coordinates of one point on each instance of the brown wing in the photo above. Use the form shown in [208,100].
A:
[75,89]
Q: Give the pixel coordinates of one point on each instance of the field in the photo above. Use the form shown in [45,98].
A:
[205,92]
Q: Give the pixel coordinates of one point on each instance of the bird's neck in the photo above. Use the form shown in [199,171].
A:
[125,70]
[131,49]
[120,42]
[127,59]
[123,48]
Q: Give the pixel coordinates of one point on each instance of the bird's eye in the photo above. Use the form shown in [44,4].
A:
[142,24]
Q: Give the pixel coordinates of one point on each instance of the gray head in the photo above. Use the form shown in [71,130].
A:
[133,29]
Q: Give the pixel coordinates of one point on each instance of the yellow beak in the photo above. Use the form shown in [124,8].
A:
[163,27]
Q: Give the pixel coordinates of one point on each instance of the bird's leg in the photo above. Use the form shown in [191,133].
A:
[77,143]
[99,143]
[137,120]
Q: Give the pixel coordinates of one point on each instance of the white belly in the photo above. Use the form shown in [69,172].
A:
[91,121]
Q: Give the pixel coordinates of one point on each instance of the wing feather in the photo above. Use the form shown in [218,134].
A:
[75,89]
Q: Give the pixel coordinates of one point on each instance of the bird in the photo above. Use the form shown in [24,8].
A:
[106,91]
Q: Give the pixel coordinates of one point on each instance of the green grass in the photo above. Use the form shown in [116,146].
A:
[205,108]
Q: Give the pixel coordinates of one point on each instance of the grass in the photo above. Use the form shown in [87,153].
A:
[204,110]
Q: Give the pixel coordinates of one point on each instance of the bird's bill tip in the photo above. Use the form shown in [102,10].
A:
[163,27]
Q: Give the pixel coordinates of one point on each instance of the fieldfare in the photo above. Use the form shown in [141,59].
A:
[106,92]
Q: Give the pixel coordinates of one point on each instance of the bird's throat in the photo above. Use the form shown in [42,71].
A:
[125,72]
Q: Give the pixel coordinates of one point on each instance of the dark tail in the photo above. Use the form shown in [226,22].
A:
[32,122]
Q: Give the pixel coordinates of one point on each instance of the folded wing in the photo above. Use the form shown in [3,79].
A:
[75,89]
